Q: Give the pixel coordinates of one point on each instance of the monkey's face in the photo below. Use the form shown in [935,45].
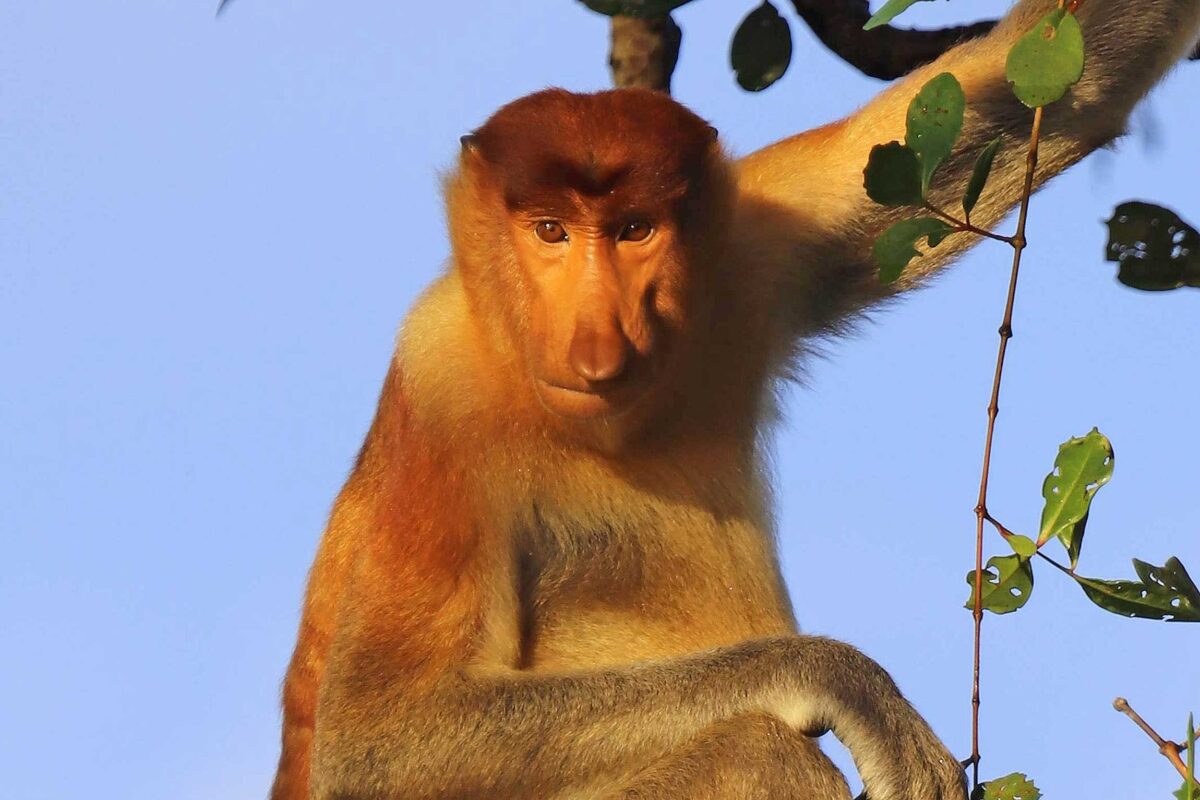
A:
[602,201]
[607,298]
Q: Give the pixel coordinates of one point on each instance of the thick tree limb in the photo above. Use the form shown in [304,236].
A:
[644,51]
[887,52]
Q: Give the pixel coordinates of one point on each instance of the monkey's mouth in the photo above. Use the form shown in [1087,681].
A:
[592,402]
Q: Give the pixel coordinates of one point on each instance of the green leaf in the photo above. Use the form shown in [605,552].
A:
[1047,61]
[761,49]
[1022,545]
[1011,787]
[935,118]
[1083,465]
[983,168]
[634,8]
[897,245]
[1156,250]
[1165,592]
[1007,584]
[892,176]
[891,9]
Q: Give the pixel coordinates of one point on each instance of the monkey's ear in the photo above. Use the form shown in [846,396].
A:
[713,133]
[471,156]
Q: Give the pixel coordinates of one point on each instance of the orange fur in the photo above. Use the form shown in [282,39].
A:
[552,572]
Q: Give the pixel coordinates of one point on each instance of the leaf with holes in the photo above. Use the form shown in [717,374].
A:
[1165,592]
[897,245]
[1047,61]
[979,176]
[935,118]
[891,9]
[634,8]
[892,176]
[761,49]
[1156,250]
[1083,465]
[1007,584]
[1011,787]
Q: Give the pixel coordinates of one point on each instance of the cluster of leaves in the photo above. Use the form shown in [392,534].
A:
[1041,67]
[900,174]
[1084,464]
[762,44]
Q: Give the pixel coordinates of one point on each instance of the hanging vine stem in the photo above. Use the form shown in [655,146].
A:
[1017,242]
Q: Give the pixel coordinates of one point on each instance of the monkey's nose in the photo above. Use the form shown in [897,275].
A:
[598,356]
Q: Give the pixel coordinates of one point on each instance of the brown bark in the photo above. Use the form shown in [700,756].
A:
[644,51]
[886,52]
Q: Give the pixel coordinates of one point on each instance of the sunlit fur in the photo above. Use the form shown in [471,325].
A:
[551,572]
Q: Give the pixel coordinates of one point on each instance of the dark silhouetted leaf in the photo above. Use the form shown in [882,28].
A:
[891,9]
[1007,584]
[897,246]
[633,8]
[893,175]
[979,176]
[761,49]
[1165,592]
[1083,465]
[1156,250]
[1011,787]
[1047,61]
[935,118]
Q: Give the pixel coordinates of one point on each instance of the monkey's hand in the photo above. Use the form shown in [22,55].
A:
[899,757]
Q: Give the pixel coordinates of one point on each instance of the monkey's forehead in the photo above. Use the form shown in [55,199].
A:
[634,146]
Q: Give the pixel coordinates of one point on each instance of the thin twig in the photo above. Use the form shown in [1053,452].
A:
[1017,241]
[1168,748]
[1000,529]
[1055,564]
[962,226]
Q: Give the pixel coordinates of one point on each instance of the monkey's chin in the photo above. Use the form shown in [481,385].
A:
[580,404]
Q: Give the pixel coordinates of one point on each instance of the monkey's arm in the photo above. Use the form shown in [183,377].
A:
[807,191]
[414,703]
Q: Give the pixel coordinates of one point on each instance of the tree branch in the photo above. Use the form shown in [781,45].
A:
[644,51]
[886,52]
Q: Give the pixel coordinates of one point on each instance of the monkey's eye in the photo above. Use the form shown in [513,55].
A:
[550,231]
[635,232]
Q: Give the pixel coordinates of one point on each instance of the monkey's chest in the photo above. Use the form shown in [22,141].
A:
[613,596]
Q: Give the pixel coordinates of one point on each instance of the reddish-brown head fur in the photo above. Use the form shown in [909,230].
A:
[616,151]
[600,261]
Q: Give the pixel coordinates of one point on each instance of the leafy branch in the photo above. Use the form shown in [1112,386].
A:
[1155,250]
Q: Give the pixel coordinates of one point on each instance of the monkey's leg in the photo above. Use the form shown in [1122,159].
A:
[752,756]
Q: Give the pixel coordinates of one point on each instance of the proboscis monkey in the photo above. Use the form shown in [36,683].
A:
[551,573]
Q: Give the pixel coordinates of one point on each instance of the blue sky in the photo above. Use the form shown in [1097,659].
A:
[209,232]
